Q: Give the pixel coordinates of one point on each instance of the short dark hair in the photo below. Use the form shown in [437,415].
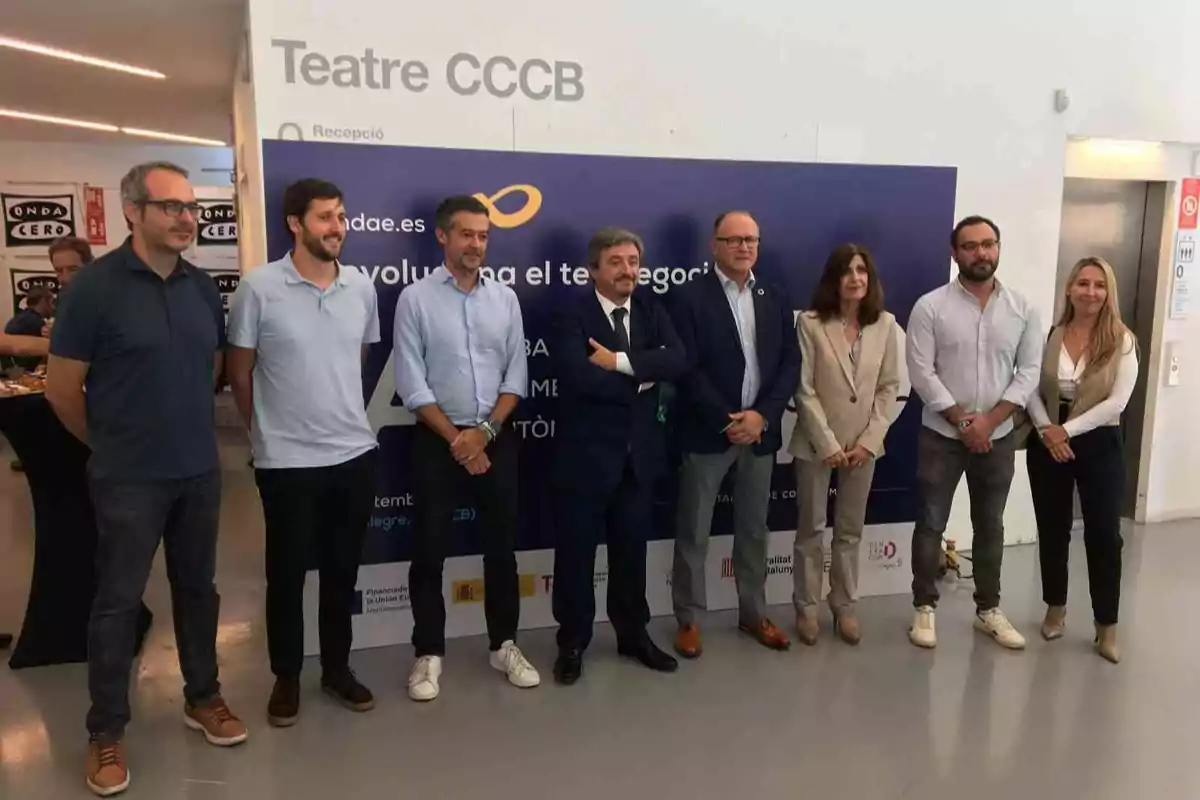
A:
[827,297]
[611,237]
[721,217]
[80,246]
[37,294]
[298,196]
[443,218]
[967,222]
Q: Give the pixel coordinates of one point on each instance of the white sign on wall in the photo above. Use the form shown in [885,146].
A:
[1183,275]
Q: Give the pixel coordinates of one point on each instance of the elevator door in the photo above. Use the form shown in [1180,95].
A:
[1108,219]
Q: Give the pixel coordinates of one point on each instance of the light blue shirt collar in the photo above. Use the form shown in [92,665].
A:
[444,275]
[292,275]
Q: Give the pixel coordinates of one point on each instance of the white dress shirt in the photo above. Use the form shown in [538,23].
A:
[1108,410]
[741,303]
[962,354]
[623,364]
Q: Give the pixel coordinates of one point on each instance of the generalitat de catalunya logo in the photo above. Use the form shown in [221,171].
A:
[513,219]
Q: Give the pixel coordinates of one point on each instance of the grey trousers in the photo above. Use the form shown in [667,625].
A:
[941,463]
[850,509]
[699,482]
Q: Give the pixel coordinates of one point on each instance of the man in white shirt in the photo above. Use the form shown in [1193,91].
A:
[974,357]
[298,331]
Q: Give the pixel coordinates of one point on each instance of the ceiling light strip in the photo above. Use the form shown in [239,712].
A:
[172,137]
[79,58]
[76,123]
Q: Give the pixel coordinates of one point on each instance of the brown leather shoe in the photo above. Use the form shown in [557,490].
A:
[687,641]
[847,627]
[807,627]
[218,724]
[767,634]
[106,771]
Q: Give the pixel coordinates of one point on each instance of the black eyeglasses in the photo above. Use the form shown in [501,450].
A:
[174,208]
[974,247]
[738,241]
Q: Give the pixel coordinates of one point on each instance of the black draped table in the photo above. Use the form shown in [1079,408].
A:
[64,554]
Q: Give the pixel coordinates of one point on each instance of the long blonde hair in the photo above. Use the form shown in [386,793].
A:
[1110,332]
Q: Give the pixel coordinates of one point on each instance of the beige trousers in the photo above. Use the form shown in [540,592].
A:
[850,508]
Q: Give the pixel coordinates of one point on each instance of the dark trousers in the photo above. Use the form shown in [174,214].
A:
[1099,473]
[443,485]
[131,517]
[321,512]
[586,517]
[941,463]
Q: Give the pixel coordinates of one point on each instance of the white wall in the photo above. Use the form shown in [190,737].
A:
[935,83]
[252,244]
[66,166]
[104,164]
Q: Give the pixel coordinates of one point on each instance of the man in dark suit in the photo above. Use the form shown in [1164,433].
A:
[611,350]
[739,332]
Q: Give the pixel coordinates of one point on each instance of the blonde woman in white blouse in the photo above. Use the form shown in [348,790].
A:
[1088,375]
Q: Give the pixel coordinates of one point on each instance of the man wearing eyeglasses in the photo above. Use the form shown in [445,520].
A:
[974,357]
[142,330]
[739,332]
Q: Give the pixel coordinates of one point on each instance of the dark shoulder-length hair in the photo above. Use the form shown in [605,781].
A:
[827,297]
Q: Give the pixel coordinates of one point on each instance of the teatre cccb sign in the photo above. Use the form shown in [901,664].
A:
[465,73]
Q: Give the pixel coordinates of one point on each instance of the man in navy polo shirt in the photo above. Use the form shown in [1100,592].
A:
[134,354]
[298,330]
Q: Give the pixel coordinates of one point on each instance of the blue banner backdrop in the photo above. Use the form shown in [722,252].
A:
[544,209]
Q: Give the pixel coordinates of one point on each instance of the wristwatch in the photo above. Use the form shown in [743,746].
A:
[963,424]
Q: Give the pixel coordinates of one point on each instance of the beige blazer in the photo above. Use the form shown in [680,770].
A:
[837,406]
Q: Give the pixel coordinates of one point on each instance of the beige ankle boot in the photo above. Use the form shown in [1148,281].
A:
[1055,623]
[1106,643]
[807,626]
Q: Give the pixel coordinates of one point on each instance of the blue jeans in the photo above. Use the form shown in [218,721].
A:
[131,517]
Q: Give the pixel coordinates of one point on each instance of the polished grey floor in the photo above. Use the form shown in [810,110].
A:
[883,720]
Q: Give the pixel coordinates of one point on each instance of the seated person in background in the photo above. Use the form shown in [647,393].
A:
[30,321]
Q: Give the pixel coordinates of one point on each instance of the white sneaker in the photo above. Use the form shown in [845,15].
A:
[995,624]
[923,633]
[423,680]
[511,661]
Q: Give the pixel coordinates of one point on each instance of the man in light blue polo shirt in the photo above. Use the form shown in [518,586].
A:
[298,329]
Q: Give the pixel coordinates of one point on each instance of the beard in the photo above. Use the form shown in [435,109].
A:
[469,262]
[980,271]
[318,249]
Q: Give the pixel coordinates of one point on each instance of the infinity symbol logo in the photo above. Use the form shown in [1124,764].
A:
[533,204]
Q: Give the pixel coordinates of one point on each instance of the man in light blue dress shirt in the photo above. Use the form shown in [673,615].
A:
[298,329]
[974,357]
[460,367]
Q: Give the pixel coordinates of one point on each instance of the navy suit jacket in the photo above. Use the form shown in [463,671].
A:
[602,417]
[712,389]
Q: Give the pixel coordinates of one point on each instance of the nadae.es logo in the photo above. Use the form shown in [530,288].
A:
[31,220]
[512,219]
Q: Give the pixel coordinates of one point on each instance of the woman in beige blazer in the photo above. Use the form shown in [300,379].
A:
[848,382]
